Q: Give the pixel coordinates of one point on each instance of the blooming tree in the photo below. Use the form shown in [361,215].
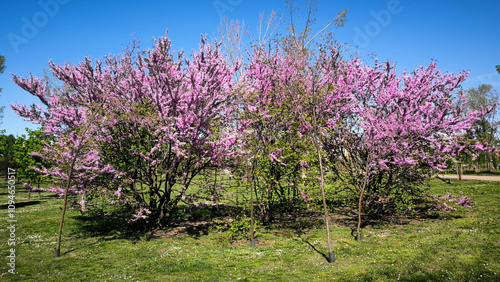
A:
[68,153]
[276,137]
[140,126]
[395,129]
[284,92]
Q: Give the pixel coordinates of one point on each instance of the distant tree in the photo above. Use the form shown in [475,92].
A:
[498,68]
[302,38]
[485,129]
[2,63]
[24,149]
[2,68]
[6,151]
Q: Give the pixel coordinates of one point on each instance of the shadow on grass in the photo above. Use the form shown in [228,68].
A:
[197,222]
[79,248]
[298,222]
[301,222]
[34,194]
[195,228]
[20,205]
[193,222]
[108,227]
[316,250]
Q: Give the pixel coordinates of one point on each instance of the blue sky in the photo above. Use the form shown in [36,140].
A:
[459,35]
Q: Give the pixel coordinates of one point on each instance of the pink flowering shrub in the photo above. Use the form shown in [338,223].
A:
[393,130]
[278,152]
[135,130]
[138,127]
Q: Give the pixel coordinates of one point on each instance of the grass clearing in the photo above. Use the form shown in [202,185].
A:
[459,246]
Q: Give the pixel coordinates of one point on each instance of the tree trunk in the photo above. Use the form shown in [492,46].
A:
[331,255]
[358,228]
[57,251]
[29,191]
[459,171]
[252,220]
[360,203]
[490,162]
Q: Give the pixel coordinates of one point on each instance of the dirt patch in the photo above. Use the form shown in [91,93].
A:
[192,228]
[295,222]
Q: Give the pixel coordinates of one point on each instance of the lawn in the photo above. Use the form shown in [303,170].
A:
[457,246]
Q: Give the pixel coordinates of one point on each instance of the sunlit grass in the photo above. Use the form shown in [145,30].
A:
[459,246]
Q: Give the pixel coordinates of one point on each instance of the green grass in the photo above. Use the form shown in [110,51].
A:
[459,246]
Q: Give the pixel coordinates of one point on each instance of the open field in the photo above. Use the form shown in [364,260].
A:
[458,246]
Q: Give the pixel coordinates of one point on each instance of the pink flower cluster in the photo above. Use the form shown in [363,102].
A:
[445,203]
